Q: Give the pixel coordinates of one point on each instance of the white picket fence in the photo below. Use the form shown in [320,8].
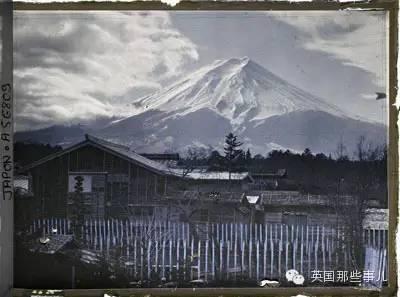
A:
[216,251]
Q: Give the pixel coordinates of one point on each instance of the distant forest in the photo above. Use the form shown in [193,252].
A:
[27,152]
[364,170]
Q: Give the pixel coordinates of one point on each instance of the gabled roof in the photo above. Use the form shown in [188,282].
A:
[202,174]
[254,199]
[278,174]
[376,218]
[118,150]
[161,157]
[55,244]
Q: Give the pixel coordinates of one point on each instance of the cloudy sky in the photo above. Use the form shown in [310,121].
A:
[79,67]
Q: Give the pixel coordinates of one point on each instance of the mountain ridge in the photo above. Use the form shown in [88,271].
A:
[232,95]
[238,89]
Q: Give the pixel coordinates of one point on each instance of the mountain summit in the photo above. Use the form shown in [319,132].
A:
[234,95]
[238,89]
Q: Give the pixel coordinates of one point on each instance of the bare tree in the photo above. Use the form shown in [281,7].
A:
[364,185]
[341,151]
[361,149]
[193,157]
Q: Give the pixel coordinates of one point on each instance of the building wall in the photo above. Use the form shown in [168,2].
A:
[118,185]
[119,188]
[300,216]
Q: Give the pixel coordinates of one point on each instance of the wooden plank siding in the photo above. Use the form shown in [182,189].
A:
[125,182]
[128,189]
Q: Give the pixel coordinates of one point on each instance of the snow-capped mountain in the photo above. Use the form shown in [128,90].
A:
[238,95]
[237,89]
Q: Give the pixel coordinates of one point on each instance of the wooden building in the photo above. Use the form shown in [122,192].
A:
[118,182]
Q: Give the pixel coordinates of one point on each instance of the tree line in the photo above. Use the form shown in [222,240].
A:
[342,171]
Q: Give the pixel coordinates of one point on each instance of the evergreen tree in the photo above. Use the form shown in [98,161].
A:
[232,151]
[307,152]
[215,161]
[248,155]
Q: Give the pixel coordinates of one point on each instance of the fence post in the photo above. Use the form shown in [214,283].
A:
[221,258]
[213,258]
[141,261]
[178,245]
[121,233]
[184,259]
[323,248]
[108,236]
[301,249]
[373,238]
[280,249]
[192,258]
[250,257]
[330,240]
[287,249]
[266,232]
[126,228]
[156,260]
[243,250]
[235,257]
[294,248]
[231,236]
[95,241]
[265,257]
[170,260]
[379,239]
[163,258]
[258,260]
[296,242]
[384,239]
[223,232]
[103,238]
[316,249]
[241,232]
[148,260]
[165,229]
[227,259]
[251,231]
[292,234]
[272,258]
[236,233]
[199,259]
[206,261]
[113,232]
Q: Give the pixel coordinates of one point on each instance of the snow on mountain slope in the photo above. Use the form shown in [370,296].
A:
[235,95]
[238,89]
